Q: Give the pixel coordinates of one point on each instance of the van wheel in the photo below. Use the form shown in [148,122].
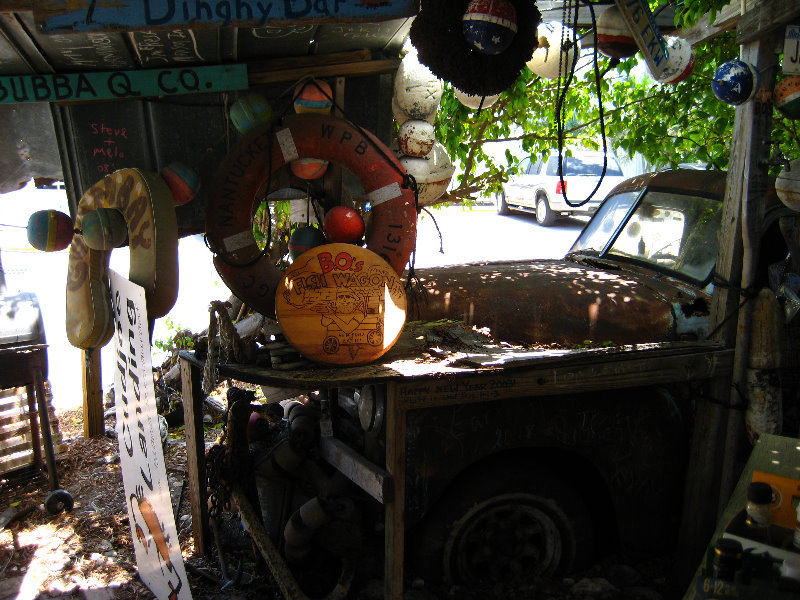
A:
[509,526]
[544,214]
[500,202]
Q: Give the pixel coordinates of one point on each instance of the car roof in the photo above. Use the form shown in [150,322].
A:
[707,183]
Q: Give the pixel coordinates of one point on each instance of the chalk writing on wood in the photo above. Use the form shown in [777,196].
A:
[108,143]
[156,48]
[58,15]
[106,85]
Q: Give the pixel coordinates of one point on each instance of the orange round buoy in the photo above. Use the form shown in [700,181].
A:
[244,268]
[309,168]
[340,304]
[313,96]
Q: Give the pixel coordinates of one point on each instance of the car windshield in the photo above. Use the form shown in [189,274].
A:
[670,231]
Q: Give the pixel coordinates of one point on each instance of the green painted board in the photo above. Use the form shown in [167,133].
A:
[118,85]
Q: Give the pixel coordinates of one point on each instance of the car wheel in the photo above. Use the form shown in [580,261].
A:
[500,202]
[544,214]
[509,526]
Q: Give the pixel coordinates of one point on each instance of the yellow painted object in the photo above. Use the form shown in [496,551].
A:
[146,203]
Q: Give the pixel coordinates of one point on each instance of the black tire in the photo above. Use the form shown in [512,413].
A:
[506,526]
[59,500]
[500,203]
[544,214]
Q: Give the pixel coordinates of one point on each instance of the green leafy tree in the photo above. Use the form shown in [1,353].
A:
[666,124]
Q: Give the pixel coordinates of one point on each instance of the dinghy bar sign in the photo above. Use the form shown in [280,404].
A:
[90,15]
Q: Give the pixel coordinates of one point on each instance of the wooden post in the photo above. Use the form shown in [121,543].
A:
[195,454]
[93,424]
[718,446]
[394,532]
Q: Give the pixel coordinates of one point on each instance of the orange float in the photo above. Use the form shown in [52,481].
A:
[245,269]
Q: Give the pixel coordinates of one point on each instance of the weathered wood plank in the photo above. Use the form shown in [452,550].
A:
[355,69]
[195,455]
[93,423]
[725,20]
[764,18]
[394,522]
[375,481]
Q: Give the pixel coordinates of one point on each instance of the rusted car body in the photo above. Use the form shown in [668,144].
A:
[610,287]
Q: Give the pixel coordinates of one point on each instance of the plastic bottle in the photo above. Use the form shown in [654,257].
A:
[759,514]
[727,559]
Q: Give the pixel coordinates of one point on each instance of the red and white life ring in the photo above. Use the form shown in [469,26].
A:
[232,196]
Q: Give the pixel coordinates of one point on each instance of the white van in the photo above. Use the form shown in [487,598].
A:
[539,188]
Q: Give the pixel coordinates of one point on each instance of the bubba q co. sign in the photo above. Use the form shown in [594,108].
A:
[90,15]
[109,85]
[144,476]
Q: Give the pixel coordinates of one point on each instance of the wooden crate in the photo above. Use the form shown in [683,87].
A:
[16,440]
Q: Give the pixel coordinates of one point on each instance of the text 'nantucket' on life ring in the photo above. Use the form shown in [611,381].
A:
[247,271]
[146,205]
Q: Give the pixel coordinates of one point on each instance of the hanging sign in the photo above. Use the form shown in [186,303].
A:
[791,50]
[88,15]
[144,476]
[116,85]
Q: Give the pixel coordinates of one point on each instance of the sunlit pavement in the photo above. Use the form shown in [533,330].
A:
[467,235]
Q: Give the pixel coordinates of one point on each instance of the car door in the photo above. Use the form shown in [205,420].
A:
[520,190]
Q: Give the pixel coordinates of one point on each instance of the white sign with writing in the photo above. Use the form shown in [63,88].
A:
[144,476]
[791,50]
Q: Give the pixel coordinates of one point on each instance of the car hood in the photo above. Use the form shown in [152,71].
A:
[561,302]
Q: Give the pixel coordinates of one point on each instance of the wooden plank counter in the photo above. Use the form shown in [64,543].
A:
[418,379]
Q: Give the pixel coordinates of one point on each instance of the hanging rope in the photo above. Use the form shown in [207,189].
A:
[567,17]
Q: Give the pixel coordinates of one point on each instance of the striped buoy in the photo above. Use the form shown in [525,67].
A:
[313,96]
[787,97]
[49,230]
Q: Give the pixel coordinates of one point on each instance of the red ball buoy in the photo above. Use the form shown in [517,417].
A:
[309,168]
[49,230]
[304,238]
[343,224]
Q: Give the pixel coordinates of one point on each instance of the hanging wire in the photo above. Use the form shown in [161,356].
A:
[567,11]
[439,231]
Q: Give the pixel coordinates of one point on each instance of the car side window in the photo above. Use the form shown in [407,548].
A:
[535,167]
[552,166]
[525,166]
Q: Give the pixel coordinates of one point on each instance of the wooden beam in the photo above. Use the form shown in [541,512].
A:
[375,481]
[15,6]
[355,69]
[93,423]
[394,523]
[725,20]
[764,18]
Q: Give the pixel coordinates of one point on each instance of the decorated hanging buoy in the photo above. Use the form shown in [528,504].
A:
[400,116]
[343,224]
[304,238]
[314,96]
[104,229]
[614,39]
[250,111]
[475,102]
[787,185]
[558,48]
[680,63]
[432,173]
[309,168]
[417,90]
[489,26]
[182,180]
[49,230]
[735,82]
[787,97]
[416,137]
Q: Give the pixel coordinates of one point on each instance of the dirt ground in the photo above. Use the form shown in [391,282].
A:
[88,552]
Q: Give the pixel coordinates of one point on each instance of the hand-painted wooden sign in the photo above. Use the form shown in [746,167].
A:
[791,50]
[89,15]
[108,85]
[144,475]
[341,304]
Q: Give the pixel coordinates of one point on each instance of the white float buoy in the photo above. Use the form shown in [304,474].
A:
[787,186]
[475,102]
[432,173]
[416,137]
[558,47]
[417,90]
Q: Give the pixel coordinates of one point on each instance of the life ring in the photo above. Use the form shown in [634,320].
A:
[232,196]
[146,203]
